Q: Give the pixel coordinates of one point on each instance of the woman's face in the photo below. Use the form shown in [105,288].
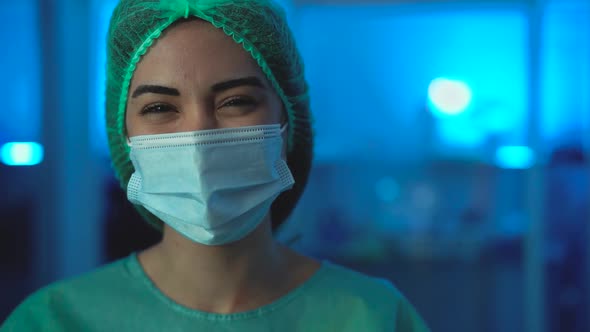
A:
[195,77]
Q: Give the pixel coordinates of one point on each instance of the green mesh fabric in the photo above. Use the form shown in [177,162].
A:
[259,26]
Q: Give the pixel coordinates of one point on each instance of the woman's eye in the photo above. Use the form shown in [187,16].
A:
[157,109]
[239,102]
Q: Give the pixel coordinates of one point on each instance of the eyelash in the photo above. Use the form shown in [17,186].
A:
[239,102]
[157,108]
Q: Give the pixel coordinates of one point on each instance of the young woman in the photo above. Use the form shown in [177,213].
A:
[210,135]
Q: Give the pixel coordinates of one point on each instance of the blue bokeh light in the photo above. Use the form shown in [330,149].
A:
[515,157]
[21,153]
[448,97]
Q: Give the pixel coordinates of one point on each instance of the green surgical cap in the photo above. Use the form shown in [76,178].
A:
[259,26]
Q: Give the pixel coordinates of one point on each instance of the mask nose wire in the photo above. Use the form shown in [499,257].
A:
[283,129]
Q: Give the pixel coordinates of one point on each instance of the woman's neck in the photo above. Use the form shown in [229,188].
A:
[240,276]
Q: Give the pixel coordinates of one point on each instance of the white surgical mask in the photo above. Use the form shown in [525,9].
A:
[213,186]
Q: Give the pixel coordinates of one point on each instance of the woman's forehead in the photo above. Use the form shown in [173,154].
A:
[196,51]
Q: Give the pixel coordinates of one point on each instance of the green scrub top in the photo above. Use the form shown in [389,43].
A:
[121,297]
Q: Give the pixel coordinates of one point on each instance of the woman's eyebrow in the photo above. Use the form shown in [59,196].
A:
[163,90]
[226,85]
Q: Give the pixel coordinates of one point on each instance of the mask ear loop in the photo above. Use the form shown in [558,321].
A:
[284,127]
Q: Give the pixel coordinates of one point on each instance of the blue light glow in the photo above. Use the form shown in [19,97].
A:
[449,97]
[21,153]
[491,58]
[515,157]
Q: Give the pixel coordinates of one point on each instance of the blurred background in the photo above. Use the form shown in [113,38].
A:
[452,153]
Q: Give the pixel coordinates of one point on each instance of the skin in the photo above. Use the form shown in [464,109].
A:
[187,82]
